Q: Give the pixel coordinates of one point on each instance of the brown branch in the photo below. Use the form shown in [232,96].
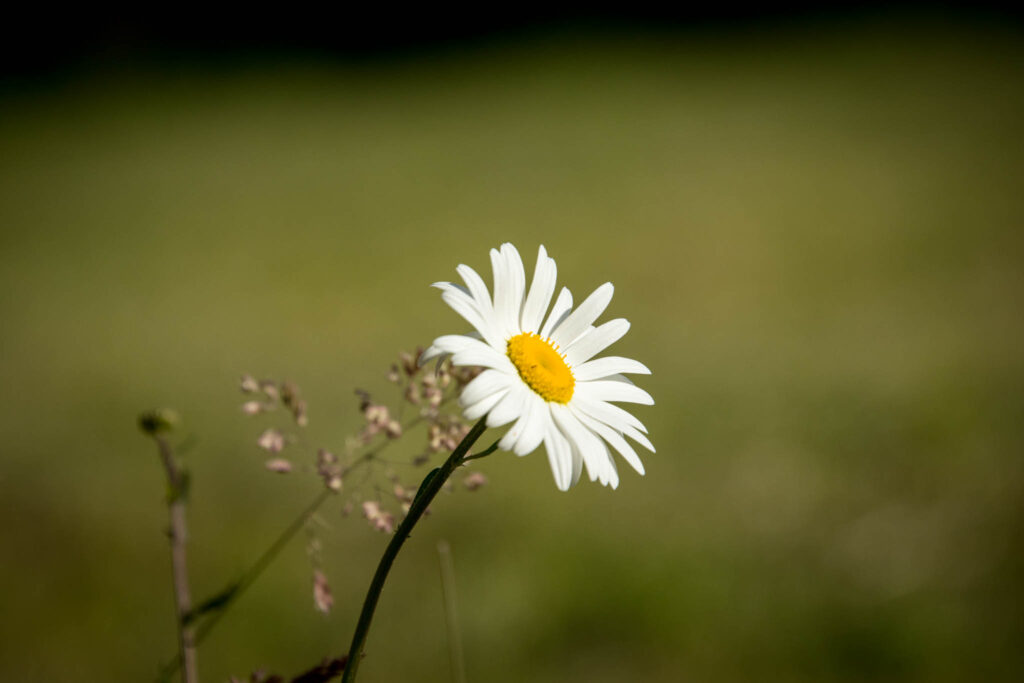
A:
[177,483]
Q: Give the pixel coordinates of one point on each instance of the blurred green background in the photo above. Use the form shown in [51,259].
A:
[814,228]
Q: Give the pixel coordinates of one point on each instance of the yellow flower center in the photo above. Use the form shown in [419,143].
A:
[542,367]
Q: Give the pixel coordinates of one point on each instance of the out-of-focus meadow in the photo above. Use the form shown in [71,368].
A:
[816,232]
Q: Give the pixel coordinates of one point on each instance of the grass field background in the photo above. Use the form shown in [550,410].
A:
[816,232]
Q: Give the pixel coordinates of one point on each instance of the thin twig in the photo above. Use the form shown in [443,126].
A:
[178,535]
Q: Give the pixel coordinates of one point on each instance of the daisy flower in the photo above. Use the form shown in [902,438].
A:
[540,372]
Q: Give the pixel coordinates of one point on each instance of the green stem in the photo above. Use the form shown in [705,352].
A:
[428,489]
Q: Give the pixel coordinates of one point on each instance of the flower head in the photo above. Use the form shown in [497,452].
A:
[539,370]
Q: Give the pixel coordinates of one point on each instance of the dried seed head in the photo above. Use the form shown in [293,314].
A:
[249,385]
[393,374]
[256,407]
[299,413]
[279,465]
[271,440]
[474,480]
[322,597]
[329,469]
[410,361]
[269,389]
[379,519]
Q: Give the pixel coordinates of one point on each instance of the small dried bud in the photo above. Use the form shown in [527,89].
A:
[393,429]
[249,385]
[289,393]
[433,396]
[279,465]
[271,440]
[403,494]
[329,469]
[364,399]
[159,421]
[252,407]
[410,361]
[299,412]
[269,389]
[377,414]
[393,374]
[322,597]
[412,393]
[378,518]
[346,509]
[474,480]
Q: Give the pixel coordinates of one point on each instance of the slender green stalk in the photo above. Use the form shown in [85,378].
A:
[451,616]
[428,489]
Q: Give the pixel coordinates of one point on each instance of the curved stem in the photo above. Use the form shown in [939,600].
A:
[428,489]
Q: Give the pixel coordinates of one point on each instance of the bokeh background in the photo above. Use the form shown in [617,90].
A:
[813,222]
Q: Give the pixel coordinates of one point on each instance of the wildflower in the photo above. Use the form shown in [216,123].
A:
[540,373]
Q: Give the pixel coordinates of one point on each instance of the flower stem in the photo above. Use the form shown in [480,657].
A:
[428,489]
[177,484]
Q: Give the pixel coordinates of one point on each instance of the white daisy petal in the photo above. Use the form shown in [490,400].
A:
[485,357]
[563,304]
[595,341]
[485,384]
[594,453]
[464,306]
[610,414]
[503,295]
[611,390]
[478,410]
[533,429]
[517,285]
[482,407]
[584,316]
[613,438]
[431,352]
[577,466]
[453,343]
[508,408]
[599,368]
[477,289]
[529,425]
[639,438]
[541,289]
[560,456]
